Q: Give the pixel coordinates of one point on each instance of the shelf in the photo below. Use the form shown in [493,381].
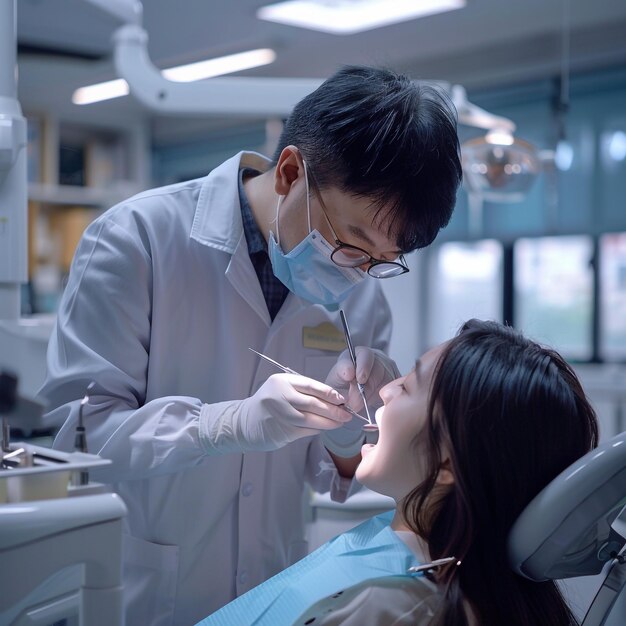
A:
[80,196]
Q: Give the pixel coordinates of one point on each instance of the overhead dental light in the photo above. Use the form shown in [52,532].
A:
[345,17]
[498,166]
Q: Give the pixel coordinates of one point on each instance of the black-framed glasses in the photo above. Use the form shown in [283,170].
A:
[347,255]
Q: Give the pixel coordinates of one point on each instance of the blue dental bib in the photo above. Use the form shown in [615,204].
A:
[371,549]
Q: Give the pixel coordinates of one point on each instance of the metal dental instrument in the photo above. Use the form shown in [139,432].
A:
[434,565]
[360,386]
[288,370]
[80,438]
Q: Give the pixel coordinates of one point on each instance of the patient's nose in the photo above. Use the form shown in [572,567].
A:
[386,392]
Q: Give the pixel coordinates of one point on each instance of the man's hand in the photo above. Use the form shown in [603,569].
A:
[285,408]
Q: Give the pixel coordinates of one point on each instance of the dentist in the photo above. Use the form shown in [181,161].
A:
[211,449]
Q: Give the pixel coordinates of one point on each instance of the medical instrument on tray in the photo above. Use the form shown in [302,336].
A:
[359,385]
[288,370]
[80,439]
[61,556]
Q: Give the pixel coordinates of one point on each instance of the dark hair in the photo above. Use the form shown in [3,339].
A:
[512,415]
[373,133]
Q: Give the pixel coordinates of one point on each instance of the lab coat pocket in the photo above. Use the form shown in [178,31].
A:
[297,550]
[150,576]
[318,367]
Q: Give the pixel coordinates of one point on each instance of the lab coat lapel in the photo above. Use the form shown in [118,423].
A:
[217,224]
[217,220]
[241,275]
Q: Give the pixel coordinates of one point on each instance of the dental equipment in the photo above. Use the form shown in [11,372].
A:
[61,561]
[80,439]
[434,565]
[285,369]
[576,526]
[18,408]
[359,385]
[8,393]
[288,370]
[60,544]
[30,472]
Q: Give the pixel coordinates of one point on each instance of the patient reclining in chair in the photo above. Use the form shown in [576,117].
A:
[466,440]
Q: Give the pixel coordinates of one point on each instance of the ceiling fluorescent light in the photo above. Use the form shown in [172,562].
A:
[181,74]
[222,65]
[344,17]
[101,91]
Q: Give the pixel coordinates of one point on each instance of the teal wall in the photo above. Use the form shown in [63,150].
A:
[192,157]
[588,198]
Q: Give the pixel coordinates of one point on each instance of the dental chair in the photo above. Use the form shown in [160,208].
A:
[576,526]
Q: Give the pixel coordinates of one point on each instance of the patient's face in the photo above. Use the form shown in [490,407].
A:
[394,466]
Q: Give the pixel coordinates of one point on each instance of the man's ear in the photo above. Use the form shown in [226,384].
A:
[288,169]
[445,475]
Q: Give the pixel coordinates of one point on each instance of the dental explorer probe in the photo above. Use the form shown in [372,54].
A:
[352,352]
[288,370]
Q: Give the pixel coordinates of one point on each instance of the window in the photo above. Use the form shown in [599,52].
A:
[553,292]
[466,281]
[613,297]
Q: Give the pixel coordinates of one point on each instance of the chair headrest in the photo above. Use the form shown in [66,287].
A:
[566,530]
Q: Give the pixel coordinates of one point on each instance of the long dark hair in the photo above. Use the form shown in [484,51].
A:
[511,415]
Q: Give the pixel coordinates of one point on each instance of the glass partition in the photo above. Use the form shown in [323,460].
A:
[553,292]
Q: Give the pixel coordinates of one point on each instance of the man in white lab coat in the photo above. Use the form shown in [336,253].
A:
[212,448]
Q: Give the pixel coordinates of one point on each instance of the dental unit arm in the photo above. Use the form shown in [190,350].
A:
[234,96]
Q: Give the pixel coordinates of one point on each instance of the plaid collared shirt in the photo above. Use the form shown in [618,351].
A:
[273,290]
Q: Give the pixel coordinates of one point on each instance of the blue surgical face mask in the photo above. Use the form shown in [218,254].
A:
[307,270]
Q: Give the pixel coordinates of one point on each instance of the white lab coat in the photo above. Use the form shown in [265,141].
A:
[160,309]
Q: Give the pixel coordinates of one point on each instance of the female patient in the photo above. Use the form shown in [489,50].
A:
[467,439]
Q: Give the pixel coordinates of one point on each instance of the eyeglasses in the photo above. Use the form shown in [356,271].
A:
[347,255]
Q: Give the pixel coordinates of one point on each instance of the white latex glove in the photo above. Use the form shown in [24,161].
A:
[374,369]
[285,408]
